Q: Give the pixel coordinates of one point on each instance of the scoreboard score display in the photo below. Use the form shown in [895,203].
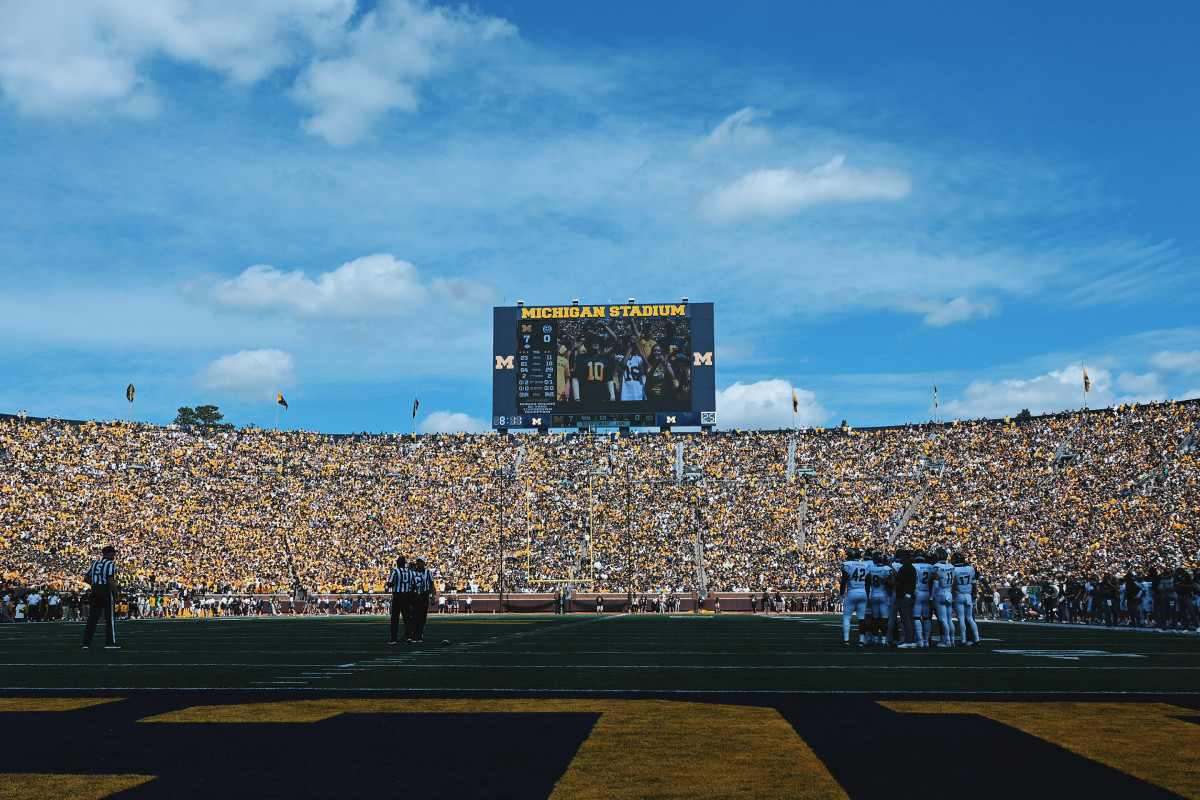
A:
[603,366]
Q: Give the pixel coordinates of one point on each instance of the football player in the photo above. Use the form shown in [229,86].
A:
[942,596]
[853,589]
[883,582]
[921,608]
[964,598]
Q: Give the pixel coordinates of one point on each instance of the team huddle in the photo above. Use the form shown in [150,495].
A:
[900,598]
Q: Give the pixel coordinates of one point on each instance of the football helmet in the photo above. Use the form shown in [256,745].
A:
[853,554]
[940,555]
[920,558]
[958,560]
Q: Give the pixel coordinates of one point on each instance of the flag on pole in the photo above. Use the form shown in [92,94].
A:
[129,393]
[795,402]
[1087,382]
[279,399]
[416,403]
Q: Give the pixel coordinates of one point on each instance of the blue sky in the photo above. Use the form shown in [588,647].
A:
[221,201]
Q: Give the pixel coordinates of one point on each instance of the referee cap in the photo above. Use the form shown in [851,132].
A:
[108,548]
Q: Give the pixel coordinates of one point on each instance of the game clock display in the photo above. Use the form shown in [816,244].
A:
[636,365]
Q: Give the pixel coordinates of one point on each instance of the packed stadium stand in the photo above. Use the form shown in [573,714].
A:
[276,512]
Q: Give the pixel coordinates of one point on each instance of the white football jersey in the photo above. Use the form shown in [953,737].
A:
[964,580]
[924,578]
[943,577]
[857,573]
[880,573]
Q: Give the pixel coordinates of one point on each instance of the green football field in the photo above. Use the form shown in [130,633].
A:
[582,706]
[710,653]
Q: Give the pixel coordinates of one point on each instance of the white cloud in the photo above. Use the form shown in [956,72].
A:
[95,58]
[249,374]
[385,57]
[774,193]
[87,58]
[766,404]
[736,130]
[1055,391]
[452,422]
[1182,362]
[1147,385]
[937,313]
[373,286]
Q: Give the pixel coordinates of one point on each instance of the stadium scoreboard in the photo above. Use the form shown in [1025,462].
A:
[603,366]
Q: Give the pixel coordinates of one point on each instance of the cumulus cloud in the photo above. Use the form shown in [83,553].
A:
[775,193]
[92,59]
[1054,391]
[373,286]
[766,404]
[736,130]
[1177,362]
[96,58]
[452,422]
[385,57]
[249,374]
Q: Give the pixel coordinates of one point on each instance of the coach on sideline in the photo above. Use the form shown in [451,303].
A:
[102,576]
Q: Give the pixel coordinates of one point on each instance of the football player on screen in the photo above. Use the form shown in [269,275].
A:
[630,369]
[660,377]
[595,373]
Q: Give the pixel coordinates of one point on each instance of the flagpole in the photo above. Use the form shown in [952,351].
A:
[277,412]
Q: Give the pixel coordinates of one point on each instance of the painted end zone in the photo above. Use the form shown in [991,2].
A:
[200,744]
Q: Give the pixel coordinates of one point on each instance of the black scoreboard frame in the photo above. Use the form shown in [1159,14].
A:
[526,340]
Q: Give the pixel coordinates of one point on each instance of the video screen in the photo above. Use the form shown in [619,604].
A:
[598,364]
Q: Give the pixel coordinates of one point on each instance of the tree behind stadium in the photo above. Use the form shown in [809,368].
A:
[201,417]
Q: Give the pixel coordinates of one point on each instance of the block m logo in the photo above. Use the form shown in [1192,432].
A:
[504,362]
[702,359]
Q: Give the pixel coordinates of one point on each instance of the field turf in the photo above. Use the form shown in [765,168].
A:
[586,706]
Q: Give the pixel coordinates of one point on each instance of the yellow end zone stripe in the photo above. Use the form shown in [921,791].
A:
[1144,740]
[52,703]
[615,760]
[77,787]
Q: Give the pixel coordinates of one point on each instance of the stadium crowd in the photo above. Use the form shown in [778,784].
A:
[1063,499]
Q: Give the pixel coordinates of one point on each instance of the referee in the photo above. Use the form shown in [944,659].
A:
[423,587]
[400,583]
[102,576]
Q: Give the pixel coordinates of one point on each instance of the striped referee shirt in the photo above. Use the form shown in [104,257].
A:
[402,581]
[100,571]
[422,582]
